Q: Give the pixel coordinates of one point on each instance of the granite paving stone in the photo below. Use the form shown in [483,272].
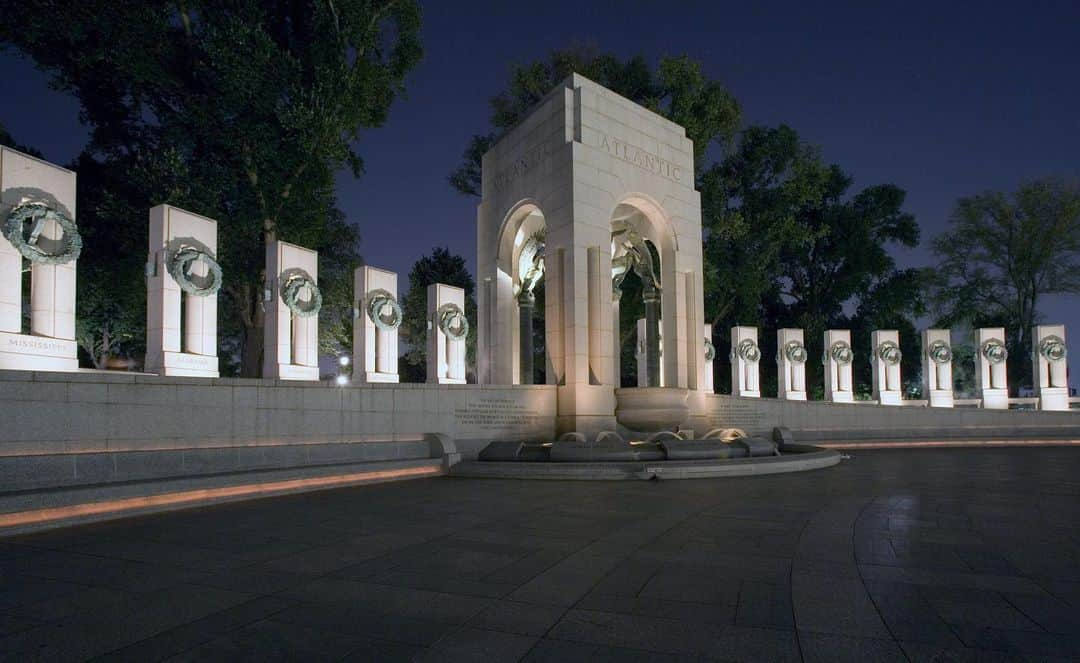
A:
[920,555]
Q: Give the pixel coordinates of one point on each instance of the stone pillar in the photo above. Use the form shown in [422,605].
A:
[745,362]
[937,367]
[990,375]
[375,346]
[1050,369]
[642,355]
[837,364]
[710,357]
[170,350]
[291,346]
[446,318]
[50,344]
[526,304]
[652,338]
[885,360]
[791,364]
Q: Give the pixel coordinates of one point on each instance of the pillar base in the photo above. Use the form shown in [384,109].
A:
[365,377]
[840,397]
[24,352]
[184,364]
[995,399]
[295,372]
[891,398]
[794,396]
[1054,398]
[940,398]
[447,381]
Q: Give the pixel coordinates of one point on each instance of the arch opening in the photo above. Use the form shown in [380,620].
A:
[522,268]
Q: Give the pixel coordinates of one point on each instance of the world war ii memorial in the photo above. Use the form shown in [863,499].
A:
[484,514]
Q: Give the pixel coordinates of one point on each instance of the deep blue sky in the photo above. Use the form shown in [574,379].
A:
[944,99]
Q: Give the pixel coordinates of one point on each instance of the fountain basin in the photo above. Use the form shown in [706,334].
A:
[650,409]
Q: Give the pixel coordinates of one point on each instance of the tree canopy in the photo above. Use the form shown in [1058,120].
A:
[241,111]
[789,244]
[1004,252]
[440,266]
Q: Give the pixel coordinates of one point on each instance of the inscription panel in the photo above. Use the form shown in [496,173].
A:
[640,157]
[492,413]
[725,413]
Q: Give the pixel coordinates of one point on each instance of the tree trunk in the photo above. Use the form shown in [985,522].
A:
[251,358]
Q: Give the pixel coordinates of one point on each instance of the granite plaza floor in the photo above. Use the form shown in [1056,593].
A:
[949,555]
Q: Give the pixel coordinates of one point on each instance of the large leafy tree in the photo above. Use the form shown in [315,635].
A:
[447,268]
[789,245]
[1002,254]
[236,109]
[843,261]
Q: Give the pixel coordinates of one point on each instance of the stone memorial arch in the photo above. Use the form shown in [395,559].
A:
[588,188]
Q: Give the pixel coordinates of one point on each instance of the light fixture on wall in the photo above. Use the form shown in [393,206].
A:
[342,378]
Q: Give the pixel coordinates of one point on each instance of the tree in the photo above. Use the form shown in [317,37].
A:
[843,261]
[1001,254]
[439,267]
[787,245]
[677,89]
[241,111]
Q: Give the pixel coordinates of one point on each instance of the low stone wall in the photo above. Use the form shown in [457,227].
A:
[822,422]
[93,412]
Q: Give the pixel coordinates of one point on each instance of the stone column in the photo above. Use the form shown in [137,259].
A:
[885,358]
[291,347]
[652,337]
[791,363]
[937,367]
[1050,370]
[990,373]
[375,349]
[745,362]
[837,363]
[170,349]
[445,354]
[50,344]
[526,304]
[709,352]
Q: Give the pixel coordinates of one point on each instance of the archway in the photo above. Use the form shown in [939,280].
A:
[642,258]
[521,266]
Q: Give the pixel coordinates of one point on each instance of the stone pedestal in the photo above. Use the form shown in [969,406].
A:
[445,354]
[991,379]
[526,304]
[837,366]
[745,362]
[710,359]
[885,360]
[179,344]
[937,383]
[641,354]
[375,349]
[49,344]
[291,346]
[791,358]
[1050,369]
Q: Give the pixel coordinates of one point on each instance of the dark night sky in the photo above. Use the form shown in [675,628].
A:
[944,99]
